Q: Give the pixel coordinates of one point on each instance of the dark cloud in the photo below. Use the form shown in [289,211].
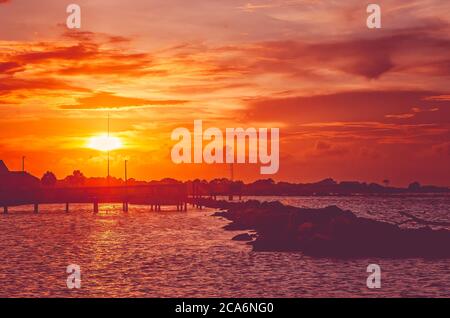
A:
[81,51]
[10,67]
[370,56]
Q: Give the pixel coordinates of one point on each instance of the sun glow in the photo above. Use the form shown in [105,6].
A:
[104,143]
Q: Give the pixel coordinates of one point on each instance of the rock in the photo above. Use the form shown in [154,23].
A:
[330,232]
[243,237]
[220,213]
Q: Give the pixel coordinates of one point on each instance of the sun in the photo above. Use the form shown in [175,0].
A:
[104,143]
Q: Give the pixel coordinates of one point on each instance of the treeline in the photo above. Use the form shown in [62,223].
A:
[265,187]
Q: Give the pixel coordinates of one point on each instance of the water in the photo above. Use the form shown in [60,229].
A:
[176,254]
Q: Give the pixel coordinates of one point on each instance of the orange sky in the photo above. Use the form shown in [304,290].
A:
[351,103]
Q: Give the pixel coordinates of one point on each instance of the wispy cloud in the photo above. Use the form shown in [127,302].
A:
[109,100]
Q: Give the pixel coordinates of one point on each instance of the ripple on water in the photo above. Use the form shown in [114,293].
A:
[175,254]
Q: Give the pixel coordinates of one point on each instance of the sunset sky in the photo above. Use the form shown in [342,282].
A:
[351,103]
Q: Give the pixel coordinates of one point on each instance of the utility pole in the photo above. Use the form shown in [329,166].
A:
[108,150]
[230,194]
[108,145]
[125,204]
[126,177]
[23,163]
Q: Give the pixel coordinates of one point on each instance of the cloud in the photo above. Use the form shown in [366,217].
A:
[10,67]
[341,121]
[75,60]
[89,36]
[336,89]
[400,116]
[86,58]
[348,106]
[367,57]
[11,84]
[206,88]
[413,113]
[439,98]
[56,65]
[109,100]
[79,51]
[324,148]
[382,133]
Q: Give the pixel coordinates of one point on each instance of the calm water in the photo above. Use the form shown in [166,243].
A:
[176,254]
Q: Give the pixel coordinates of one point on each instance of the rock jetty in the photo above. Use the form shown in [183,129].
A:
[329,232]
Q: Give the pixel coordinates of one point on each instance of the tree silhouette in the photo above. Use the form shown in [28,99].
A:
[415,186]
[48,179]
[76,179]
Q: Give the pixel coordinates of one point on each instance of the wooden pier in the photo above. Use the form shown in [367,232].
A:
[154,196]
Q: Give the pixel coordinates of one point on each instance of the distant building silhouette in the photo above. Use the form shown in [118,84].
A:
[3,168]
[16,179]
